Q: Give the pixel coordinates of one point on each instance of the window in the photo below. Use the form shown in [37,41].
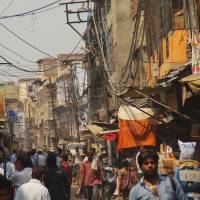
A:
[177,4]
[178,14]
[30,88]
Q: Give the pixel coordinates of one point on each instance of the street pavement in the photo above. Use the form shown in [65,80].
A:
[74,195]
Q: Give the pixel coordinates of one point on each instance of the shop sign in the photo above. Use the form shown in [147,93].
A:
[195,52]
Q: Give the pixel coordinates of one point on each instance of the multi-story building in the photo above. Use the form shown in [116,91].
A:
[47,101]
[69,109]
[138,53]
[26,112]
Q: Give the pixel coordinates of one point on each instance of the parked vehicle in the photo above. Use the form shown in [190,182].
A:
[193,196]
[109,182]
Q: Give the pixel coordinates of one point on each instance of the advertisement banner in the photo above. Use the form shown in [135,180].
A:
[195,52]
[2,102]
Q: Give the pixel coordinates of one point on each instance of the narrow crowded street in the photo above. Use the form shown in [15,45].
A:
[102,94]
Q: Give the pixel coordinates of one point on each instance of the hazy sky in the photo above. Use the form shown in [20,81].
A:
[47,30]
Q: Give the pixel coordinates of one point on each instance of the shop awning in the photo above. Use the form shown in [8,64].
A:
[109,131]
[176,72]
[109,135]
[193,82]
[131,113]
[84,132]
[94,129]
[106,125]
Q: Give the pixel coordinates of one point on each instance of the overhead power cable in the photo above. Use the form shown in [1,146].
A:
[25,70]
[31,11]
[26,41]
[6,7]
[40,71]
[46,10]
[16,53]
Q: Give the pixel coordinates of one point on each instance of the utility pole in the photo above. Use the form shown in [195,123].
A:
[11,128]
[53,113]
[75,100]
[66,102]
[11,119]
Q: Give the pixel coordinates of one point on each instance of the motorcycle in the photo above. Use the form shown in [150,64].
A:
[193,196]
[109,182]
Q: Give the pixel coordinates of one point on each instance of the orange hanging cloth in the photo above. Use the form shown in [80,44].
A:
[135,127]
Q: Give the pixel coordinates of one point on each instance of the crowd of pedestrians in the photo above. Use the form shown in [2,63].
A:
[35,175]
[39,175]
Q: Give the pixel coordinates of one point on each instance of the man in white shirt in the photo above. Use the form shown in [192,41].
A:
[21,176]
[34,188]
[7,166]
[1,171]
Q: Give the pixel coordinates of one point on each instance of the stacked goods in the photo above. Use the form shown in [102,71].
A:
[188,175]
[167,161]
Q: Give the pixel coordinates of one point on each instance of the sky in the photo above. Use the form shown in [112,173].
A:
[47,31]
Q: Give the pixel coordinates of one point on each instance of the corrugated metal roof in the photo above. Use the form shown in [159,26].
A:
[174,73]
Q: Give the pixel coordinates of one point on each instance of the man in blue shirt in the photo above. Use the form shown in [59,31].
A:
[153,186]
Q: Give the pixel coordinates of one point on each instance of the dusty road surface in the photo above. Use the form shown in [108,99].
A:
[74,195]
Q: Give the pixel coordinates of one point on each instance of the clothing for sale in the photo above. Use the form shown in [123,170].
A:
[32,190]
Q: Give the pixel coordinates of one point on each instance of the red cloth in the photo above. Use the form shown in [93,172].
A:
[88,176]
[111,136]
[66,168]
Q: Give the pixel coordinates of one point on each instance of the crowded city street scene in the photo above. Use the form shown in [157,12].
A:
[100,100]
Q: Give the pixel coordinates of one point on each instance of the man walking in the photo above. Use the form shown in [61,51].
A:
[152,185]
[90,177]
[34,188]
[20,176]
[7,166]
[66,168]
[55,179]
